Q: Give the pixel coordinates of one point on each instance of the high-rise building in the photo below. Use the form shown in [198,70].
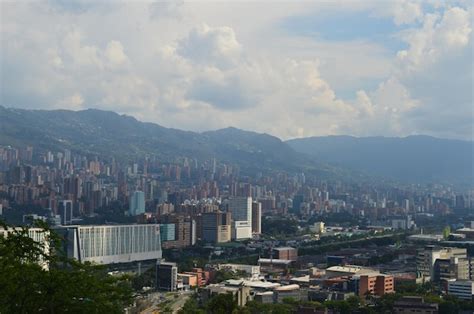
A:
[166,276]
[185,231]
[65,209]
[256,217]
[241,230]
[241,210]
[137,203]
[216,227]
[168,232]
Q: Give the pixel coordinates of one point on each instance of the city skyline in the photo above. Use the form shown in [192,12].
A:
[301,69]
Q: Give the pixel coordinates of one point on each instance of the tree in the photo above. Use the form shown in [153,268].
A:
[446,232]
[342,307]
[224,274]
[191,307]
[65,286]
[354,302]
[223,303]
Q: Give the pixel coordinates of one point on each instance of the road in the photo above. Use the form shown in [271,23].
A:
[183,297]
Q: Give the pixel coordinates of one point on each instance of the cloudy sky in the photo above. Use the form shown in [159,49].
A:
[287,68]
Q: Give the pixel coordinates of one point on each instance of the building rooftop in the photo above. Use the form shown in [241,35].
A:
[275,261]
[302,279]
[252,283]
[284,248]
[288,288]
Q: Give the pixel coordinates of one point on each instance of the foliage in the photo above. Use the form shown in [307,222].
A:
[277,227]
[223,303]
[146,279]
[223,274]
[191,307]
[385,258]
[65,286]
[446,232]
[319,248]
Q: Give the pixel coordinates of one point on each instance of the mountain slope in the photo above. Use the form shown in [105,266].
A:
[107,133]
[409,159]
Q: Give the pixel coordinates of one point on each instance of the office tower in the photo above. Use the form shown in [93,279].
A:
[65,211]
[256,217]
[216,227]
[185,231]
[137,203]
[241,210]
[446,269]
[241,230]
[166,276]
[427,257]
[67,155]
[406,205]
[214,165]
[326,196]
[168,232]
[297,202]
[107,244]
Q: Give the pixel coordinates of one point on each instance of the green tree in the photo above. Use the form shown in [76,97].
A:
[223,303]
[65,286]
[342,307]
[354,302]
[191,307]
[224,274]
[446,232]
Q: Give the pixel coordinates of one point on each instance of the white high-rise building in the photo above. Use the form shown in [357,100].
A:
[137,203]
[241,210]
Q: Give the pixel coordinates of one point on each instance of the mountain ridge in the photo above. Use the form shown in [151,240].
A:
[100,132]
[417,158]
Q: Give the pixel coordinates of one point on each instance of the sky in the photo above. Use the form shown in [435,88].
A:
[287,68]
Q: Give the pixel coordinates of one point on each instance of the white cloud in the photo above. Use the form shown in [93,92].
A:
[114,52]
[215,46]
[202,66]
[407,12]
[79,53]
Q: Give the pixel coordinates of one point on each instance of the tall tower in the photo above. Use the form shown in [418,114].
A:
[241,210]
[256,217]
[137,203]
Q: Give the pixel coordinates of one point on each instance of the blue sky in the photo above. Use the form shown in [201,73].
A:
[346,26]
